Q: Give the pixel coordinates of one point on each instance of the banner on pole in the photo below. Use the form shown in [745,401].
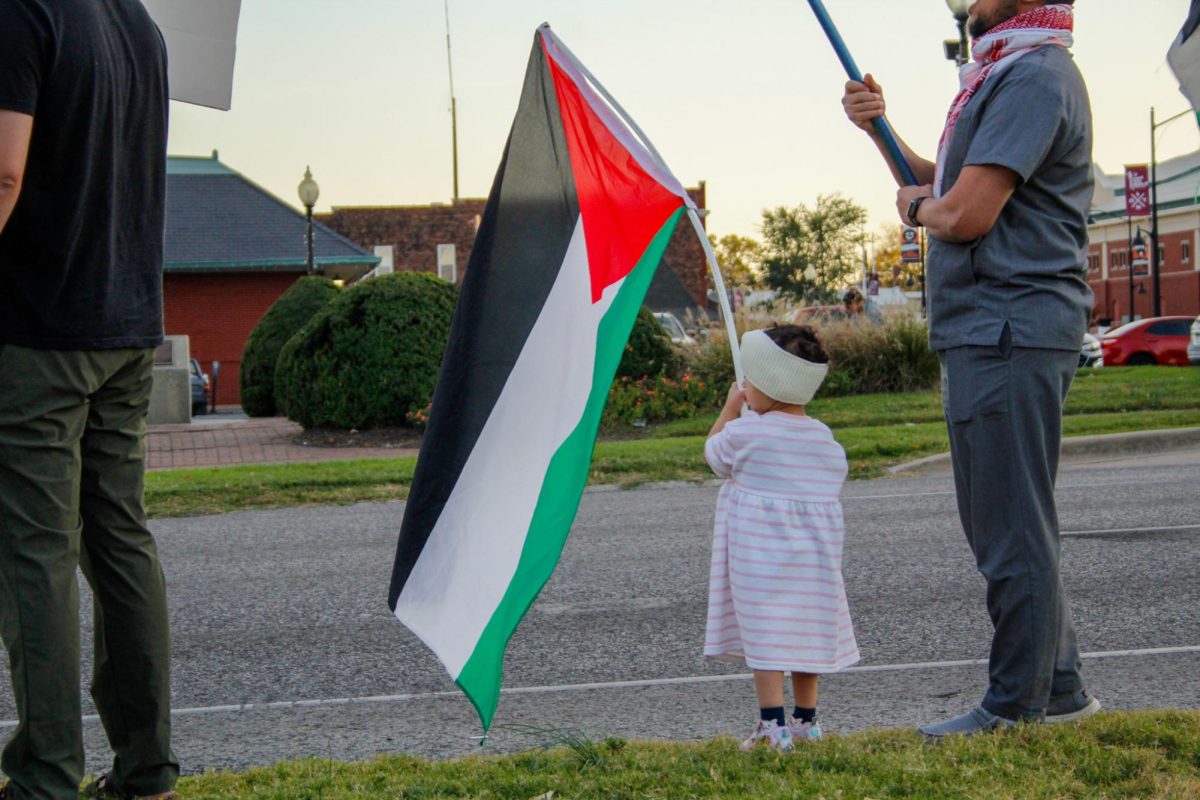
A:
[201,42]
[910,245]
[1137,190]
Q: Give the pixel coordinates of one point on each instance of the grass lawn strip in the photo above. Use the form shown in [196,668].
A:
[878,431]
[1127,755]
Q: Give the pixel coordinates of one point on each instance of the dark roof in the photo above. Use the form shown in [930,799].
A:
[667,293]
[217,220]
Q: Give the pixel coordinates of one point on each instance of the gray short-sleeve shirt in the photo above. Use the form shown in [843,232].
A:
[1029,272]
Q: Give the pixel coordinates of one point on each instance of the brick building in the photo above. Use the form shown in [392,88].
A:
[414,234]
[1110,234]
[232,249]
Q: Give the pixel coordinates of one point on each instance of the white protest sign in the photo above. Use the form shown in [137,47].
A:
[201,38]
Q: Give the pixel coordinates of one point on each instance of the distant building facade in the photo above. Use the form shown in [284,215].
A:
[1111,233]
[415,233]
[232,249]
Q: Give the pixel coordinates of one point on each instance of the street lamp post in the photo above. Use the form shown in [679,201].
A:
[1137,258]
[962,53]
[309,191]
[1156,265]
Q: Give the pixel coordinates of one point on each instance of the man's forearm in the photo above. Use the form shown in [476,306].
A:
[9,192]
[15,132]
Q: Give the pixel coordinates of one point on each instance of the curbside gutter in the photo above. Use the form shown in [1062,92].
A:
[1135,443]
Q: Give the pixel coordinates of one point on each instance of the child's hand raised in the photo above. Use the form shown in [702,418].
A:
[735,399]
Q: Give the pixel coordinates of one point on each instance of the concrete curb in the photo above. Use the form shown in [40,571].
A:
[1138,442]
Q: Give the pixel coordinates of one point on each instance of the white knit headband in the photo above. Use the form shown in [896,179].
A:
[777,373]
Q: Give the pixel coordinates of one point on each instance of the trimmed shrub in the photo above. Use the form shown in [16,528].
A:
[864,358]
[370,357]
[658,399]
[289,314]
[870,359]
[649,351]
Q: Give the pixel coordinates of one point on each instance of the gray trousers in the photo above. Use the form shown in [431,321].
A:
[1004,412]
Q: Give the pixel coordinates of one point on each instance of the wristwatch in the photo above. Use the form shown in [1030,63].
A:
[914,206]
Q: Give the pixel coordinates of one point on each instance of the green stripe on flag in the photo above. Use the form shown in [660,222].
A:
[564,483]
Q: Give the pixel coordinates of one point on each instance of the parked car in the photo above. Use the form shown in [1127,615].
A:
[1194,344]
[200,390]
[1091,355]
[1158,340]
[674,328]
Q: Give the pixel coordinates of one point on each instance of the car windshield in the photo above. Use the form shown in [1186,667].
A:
[671,326]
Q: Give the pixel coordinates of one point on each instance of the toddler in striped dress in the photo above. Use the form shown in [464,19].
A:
[776,598]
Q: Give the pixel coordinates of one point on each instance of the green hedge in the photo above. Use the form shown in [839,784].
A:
[864,357]
[289,314]
[369,357]
[649,351]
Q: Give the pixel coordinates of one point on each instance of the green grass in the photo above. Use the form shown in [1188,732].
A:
[878,431]
[1139,755]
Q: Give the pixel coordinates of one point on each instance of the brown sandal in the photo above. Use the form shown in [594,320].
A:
[102,790]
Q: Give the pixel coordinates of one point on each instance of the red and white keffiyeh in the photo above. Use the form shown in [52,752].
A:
[996,51]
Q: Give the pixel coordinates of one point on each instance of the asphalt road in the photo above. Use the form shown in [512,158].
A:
[288,608]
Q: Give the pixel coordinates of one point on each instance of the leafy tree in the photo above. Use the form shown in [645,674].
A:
[892,271]
[811,253]
[740,258]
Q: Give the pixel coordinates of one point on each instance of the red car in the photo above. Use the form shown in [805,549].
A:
[1158,340]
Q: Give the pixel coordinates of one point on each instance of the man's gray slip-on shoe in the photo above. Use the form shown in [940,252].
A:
[976,720]
[1071,707]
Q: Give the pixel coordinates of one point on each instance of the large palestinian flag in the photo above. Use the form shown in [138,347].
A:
[576,223]
[1184,57]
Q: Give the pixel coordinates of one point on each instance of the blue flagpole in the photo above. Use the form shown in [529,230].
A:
[881,124]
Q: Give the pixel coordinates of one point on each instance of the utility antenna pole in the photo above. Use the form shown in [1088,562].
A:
[453,103]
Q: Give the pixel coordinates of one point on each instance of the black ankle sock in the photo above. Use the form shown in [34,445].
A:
[805,714]
[776,714]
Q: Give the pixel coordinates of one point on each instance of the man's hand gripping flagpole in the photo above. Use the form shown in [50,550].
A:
[896,156]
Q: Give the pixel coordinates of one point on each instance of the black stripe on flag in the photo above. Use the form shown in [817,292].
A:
[1193,22]
[527,226]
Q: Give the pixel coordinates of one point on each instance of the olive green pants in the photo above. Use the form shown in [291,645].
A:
[71,474]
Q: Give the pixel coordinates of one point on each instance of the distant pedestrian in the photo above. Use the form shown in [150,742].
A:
[776,598]
[1006,207]
[853,303]
[83,125]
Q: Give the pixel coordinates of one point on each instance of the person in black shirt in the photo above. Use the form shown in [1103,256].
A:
[83,122]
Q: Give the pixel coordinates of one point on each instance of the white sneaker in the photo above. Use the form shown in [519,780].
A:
[770,734]
[804,731]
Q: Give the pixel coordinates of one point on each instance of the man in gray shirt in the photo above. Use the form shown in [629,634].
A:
[1006,207]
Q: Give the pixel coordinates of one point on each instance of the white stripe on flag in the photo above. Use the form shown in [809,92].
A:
[468,562]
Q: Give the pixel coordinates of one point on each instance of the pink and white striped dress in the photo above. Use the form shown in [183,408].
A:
[776,596]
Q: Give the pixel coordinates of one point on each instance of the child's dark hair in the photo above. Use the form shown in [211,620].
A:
[799,340]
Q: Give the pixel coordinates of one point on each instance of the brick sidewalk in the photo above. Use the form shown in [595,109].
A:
[249,441]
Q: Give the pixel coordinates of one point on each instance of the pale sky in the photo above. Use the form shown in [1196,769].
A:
[744,95]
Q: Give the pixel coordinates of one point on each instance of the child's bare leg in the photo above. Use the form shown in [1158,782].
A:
[768,685]
[804,689]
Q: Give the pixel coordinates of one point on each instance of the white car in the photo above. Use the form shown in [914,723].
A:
[1090,355]
[674,328]
[1194,344]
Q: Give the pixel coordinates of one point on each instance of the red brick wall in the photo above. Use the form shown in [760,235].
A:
[415,232]
[1179,283]
[218,311]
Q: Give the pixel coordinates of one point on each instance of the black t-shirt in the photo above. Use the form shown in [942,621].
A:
[81,256]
